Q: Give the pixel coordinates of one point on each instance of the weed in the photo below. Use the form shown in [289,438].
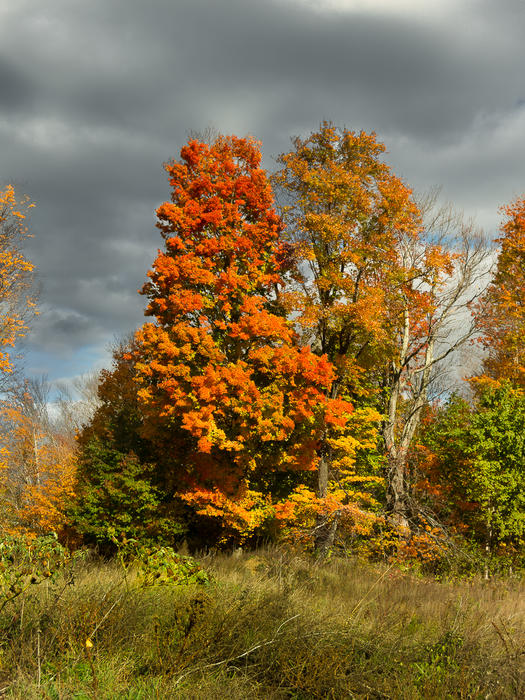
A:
[270,624]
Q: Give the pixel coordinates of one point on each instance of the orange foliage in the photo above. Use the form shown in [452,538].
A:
[348,216]
[501,315]
[303,512]
[37,472]
[227,394]
[16,300]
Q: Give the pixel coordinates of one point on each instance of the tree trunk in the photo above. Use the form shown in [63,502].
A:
[37,461]
[325,532]
[396,494]
[325,527]
[400,426]
[322,477]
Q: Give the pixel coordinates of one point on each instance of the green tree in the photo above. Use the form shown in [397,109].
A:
[118,493]
[476,457]
[495,451]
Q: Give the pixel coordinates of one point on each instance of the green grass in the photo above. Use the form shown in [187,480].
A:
[270,625]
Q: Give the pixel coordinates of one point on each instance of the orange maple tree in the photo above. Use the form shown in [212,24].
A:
[231,400]
[501,313]
[33,466]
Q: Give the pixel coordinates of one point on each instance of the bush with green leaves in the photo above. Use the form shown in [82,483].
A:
[25,562]
[157,565]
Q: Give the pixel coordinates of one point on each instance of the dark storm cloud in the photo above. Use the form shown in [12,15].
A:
[17,88]
[96,95]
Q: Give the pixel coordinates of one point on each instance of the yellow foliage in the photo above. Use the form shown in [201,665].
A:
[17,303]
[37,473]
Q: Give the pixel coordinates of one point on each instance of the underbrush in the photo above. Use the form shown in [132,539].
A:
[269,624]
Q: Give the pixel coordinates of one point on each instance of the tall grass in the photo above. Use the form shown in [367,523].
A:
[270,625]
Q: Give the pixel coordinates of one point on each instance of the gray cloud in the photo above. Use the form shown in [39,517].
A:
[95,96]
[17,88]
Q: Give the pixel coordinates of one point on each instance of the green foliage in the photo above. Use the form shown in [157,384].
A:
[495,449]
[116,496]
[162,565]
[119,493]
[441,660]
[474,457]
[27,562]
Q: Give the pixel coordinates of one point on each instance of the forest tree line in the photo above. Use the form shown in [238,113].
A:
[297,378]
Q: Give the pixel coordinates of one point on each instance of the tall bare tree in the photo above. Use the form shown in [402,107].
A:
[447,268]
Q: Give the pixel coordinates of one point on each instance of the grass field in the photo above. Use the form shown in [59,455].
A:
[270,624]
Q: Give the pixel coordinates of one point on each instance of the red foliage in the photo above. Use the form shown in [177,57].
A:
[227,393]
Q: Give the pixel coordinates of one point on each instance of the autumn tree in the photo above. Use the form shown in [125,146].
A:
[234,404]
[17,299]
[37,470]
[380,289]
[501,313]
[23,448]
[345,213]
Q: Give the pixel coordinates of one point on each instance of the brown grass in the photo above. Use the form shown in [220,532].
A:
[271,625]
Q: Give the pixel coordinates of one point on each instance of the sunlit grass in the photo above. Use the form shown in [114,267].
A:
[271,624]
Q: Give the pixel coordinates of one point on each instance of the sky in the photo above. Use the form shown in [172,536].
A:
[95,95]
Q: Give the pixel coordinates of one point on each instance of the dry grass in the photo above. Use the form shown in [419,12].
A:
[271,625]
